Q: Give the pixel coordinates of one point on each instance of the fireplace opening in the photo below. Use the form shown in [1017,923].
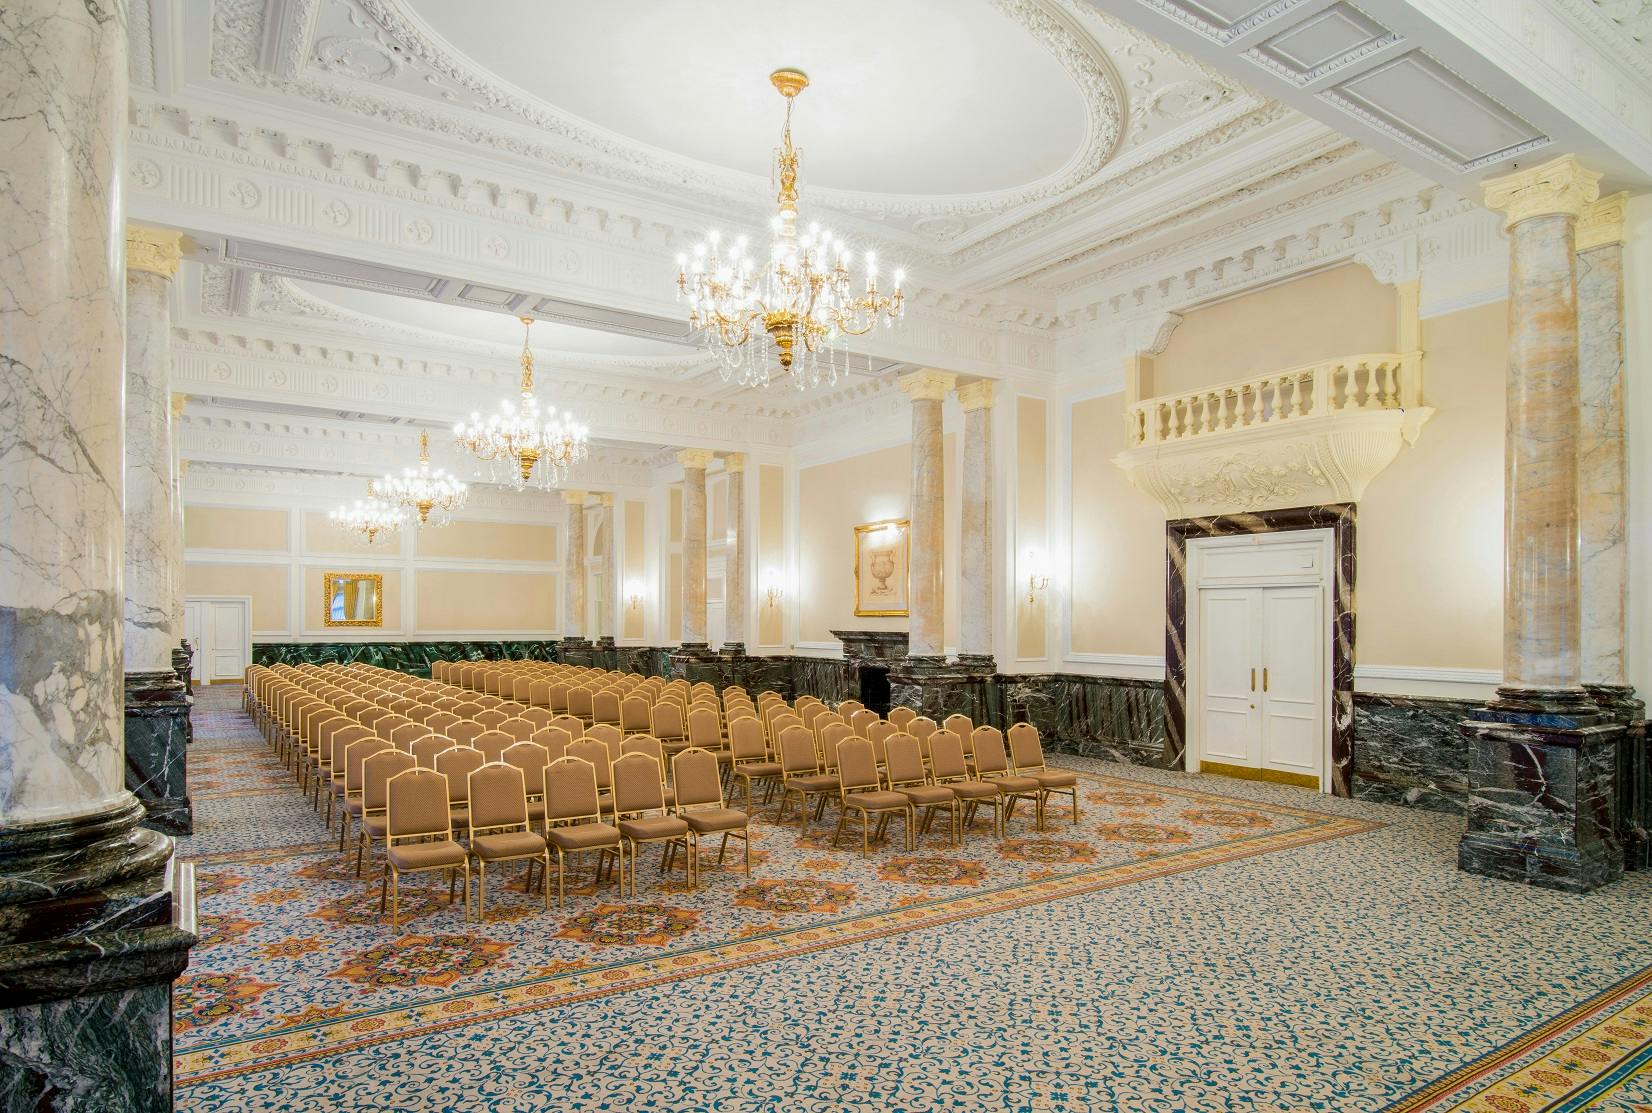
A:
[874,688]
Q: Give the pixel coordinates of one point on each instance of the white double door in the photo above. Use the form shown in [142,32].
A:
[1262,681]
[220,630]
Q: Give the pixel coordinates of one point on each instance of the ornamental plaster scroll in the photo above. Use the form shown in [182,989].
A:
[1304,462]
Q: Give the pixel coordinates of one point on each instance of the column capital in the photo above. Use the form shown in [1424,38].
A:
[574,498]
[1560,187]
[928,384]
[695,457]
[179,401]
[734,461]
[153,250]
[978,395]
[1602,222]
[606,498]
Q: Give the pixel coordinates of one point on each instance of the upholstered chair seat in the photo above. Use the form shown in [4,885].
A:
[506,844]
[409,857]
[587,836]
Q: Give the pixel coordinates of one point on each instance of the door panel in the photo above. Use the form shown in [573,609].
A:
[227,636]
[1292,702]
[1229,723]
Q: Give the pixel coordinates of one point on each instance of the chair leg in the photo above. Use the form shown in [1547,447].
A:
[838,834]
[481,892]
[395,901]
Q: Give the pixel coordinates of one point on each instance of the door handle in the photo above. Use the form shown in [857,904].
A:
[1253,680]
[1264,678]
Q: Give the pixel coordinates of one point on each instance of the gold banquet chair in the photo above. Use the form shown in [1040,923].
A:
[639,809]
[992,765]
[1027,760]
[907,776]
[574,822]
[499,830]
[698,785]
[861,789]
[419,837]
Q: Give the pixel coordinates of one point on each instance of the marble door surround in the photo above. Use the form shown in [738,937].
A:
[1542,799]
[95,918]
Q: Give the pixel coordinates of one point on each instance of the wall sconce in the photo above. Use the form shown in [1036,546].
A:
[772,591]
[633,596]
[1037,581]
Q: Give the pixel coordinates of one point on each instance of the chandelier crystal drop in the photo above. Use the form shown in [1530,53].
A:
[425,491]
[535,447]
[793,309]
[372,516]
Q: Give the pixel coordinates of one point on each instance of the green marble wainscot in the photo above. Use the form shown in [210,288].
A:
[413,658]
[157,749]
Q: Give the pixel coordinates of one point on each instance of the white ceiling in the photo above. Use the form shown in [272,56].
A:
[691,77]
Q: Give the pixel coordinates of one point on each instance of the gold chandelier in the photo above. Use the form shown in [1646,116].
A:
[524,439]
[372,516]
[800,298]
[424,491]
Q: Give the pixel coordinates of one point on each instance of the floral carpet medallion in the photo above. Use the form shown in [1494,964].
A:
[304,998]
[630,925]
[210,931]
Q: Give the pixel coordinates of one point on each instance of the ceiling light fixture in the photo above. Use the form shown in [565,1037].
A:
[425,491]
[800,298]
[524,436]
[372,516]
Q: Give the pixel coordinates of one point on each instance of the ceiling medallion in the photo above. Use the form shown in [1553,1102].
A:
[530,441]
[425,491]
[797,305]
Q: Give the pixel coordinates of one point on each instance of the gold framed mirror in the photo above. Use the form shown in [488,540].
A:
[352,599]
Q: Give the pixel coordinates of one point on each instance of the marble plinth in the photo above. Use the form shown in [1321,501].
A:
[936,687]
[1634,781]
[644,660]
[696,662]
[1542,791]
[1411,750]
[96,920]
[183,663]
[831,679]
[157,749]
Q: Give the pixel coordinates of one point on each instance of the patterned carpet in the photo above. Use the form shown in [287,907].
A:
[1194,943]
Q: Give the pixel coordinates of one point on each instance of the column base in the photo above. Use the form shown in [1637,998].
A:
[734,649]
[696,662]
[1542,792]
[183,663]
[157,749]
[935,687]
[1619,703]
[576,651]
[86,969]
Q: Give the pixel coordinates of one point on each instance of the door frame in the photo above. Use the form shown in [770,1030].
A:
[1324,541]
[201,651]
[1339,518]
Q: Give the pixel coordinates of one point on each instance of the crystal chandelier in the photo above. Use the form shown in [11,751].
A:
[800,298]
[372,516]
[423,490]
[521,436]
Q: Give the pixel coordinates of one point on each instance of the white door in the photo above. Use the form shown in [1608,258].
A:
[1229,720]
[1262,683]
[1293,681]
[195,631]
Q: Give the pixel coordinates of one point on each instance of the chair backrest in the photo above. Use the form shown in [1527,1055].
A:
[426,749]
[419,712]
[705,728]
[492,743]
[605,707]
[826,719]
[862,720]
[554,740]
[457,763]
[518,728]
[857,767]
[537,717]
[831,739]
[1026,751]
[488,702]
[634,715]
[376,772]
[448,703]
[609,735]
[498,797]
[539,693]
[960,725]
[902,716]
[848,707]
[639,784]
[987,743]
[571,724]
[797,750]
[570,790]
[521,688]
[593,752]
[558,700]
[403,737]
[468,710]
[491,718]
[644,744]
[464,733]
[531,758]
[441,720]
[324,731]
[809,712]
[946,756]
[358,753]
[695,779]
[668,720]
[580,701]
[921,728]
[511,708]
[416,803]
[904,760]
[745,736]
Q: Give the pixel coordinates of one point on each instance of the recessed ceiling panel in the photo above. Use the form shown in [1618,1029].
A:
[1224,20]
[331,268]
[1322,43]
[1420,102]
[487,295]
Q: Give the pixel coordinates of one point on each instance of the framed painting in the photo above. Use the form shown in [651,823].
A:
[883,553]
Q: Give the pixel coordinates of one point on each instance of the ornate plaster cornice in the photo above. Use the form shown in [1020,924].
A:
[1559,187]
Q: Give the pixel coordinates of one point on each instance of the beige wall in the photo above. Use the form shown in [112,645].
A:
[266,583]
[1429,536]
[1339,312]
[771,553]
[1031,532]
[223,527]
[486,600]
[834,498]
[488,541]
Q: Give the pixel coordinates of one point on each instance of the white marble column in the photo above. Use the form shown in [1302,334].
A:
[1541,623]
[1603,508]
[734,573]
[926,600]
[610,570]
[694,461]
[179,467]
[975,546]
[573,569]
[63,85]
[152,571]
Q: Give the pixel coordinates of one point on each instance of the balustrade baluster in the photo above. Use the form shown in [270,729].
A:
[1255,415]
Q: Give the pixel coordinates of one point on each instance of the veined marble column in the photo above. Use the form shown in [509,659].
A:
[1603,508]
[573,570]
[1542,796]
[157,702]
[694,461]
[975,549]
[183,656]
[926,600]
[734,569]
[609,630]
[88,940]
